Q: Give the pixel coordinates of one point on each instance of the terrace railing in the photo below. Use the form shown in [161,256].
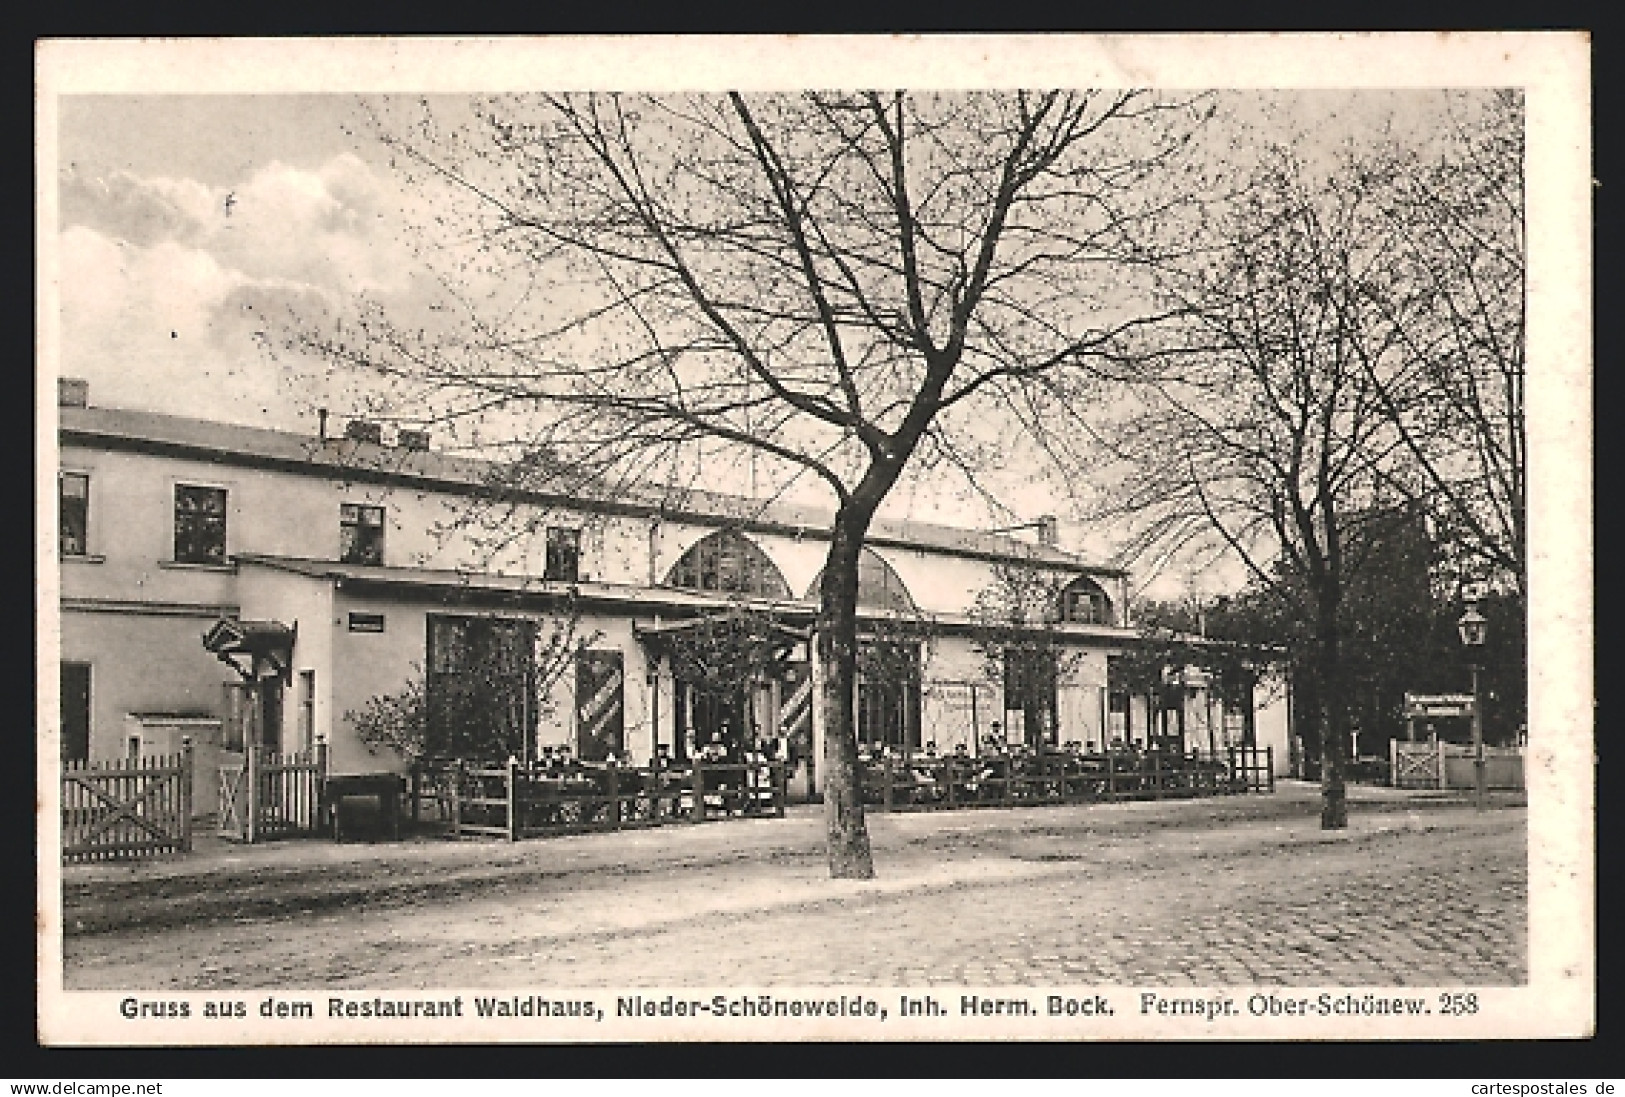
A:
[512,800]
[916,783]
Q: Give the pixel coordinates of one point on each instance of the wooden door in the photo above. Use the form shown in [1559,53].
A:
[75,712]
[271,714]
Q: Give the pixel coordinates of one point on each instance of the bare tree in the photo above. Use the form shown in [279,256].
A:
[1458,221]
[838,284]
[1264,421]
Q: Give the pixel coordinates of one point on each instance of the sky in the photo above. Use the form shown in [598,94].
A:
[187,221]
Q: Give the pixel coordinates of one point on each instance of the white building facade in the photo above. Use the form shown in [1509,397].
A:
[363,567]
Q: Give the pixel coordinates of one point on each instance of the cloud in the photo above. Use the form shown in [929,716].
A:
[324,227]
[139,211]
[172,291]
[169,328]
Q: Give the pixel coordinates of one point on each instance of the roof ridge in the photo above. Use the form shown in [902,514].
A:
[340,453]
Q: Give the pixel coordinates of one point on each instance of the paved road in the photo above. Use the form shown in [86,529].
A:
[1421,893]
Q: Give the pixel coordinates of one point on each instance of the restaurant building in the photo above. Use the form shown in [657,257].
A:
[222,582]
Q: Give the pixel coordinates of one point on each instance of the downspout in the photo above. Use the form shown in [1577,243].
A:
[654,548]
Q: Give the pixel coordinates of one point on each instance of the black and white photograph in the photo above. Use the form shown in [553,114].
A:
[952,538]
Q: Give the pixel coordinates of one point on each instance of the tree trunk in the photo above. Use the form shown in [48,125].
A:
[1333,724]
[837,649]
[1249,718]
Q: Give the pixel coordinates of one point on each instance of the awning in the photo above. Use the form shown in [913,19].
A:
[723,649]
[769,631]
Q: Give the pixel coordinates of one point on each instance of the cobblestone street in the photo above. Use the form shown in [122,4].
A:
[1413,893]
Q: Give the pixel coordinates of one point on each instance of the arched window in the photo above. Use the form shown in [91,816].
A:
[879,585]
[1084,603]
[728,561]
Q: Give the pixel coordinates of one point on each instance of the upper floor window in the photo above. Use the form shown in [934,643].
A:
[729,561]
[1084,603]
[361,534]
[563,554]
[200,525]
[879,585]
[73,510]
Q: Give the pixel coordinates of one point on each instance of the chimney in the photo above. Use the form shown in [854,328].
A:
[72,392]
[364,430]
[413,439]
[1049,530]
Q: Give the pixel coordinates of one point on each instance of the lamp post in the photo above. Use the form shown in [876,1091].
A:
[1473,628]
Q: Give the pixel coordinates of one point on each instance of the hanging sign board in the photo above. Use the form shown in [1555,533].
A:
[366,622]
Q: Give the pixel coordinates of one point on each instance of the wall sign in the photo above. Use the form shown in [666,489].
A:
[366,622]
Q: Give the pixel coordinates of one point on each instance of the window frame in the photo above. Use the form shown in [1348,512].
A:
[350,533]
[1085,588]
[749,572]
[179,486]
[554,551]
[62,477]
[887,702]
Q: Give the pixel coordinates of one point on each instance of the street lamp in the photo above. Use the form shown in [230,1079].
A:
[1473,628]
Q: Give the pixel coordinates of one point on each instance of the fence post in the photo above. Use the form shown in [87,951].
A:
[948,779]
[698,814]
[253,791]
[1111,776]
[456,772]
[885,783]
[513,798]
[614,795]
[1269,763]
[1441,774]
[1393,763]
[321,785]
[781,787]
[186,793]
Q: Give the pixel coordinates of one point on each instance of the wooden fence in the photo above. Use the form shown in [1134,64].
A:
[1443,765]
[926,783]
[513,801]
[127,809]
[269,795]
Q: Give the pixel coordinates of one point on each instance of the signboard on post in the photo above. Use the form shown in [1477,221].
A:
[1433,705]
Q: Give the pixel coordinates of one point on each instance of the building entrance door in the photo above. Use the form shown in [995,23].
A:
[715,716]
[271,715]
[75,712]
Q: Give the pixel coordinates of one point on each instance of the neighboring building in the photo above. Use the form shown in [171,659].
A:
[334,570]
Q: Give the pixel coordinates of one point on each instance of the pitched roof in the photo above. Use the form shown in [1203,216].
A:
[355,460]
